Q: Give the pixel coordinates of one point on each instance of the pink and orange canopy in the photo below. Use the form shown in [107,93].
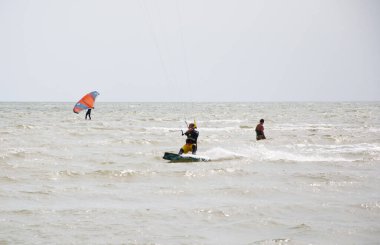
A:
[87,102]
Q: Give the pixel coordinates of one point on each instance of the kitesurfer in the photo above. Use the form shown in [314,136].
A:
[260,130]
[88,113]
[191,140]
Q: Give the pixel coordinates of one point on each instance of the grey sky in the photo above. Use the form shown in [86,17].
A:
[199,50]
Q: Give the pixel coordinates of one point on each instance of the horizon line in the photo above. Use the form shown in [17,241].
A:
[231,101]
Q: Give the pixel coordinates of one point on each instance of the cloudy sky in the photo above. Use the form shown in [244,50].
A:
[198,50]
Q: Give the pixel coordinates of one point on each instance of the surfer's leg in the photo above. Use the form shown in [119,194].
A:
[194,149]
[180,152]
[185,149]
[260,137]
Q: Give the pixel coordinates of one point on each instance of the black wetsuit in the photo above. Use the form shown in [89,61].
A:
[88,113]
[192,137]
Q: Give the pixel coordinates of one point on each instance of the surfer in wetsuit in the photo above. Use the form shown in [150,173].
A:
[260,130]
[88,114]
[191,140]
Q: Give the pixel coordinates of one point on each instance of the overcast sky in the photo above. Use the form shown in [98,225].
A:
[198,50]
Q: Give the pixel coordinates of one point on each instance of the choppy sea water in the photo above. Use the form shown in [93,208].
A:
[65,180]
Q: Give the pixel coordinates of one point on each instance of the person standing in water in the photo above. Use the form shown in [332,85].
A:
[191,141]
[88,113]
[260,130]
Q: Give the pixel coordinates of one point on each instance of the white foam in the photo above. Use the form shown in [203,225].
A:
[219,153]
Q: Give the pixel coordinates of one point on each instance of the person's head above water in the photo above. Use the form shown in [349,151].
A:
[261,121]
[191,125]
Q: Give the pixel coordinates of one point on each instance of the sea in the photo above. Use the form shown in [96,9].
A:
[67,180]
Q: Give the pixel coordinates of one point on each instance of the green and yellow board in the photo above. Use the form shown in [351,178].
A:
[173,157]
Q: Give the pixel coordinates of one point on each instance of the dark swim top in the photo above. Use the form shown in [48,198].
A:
[192,136]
